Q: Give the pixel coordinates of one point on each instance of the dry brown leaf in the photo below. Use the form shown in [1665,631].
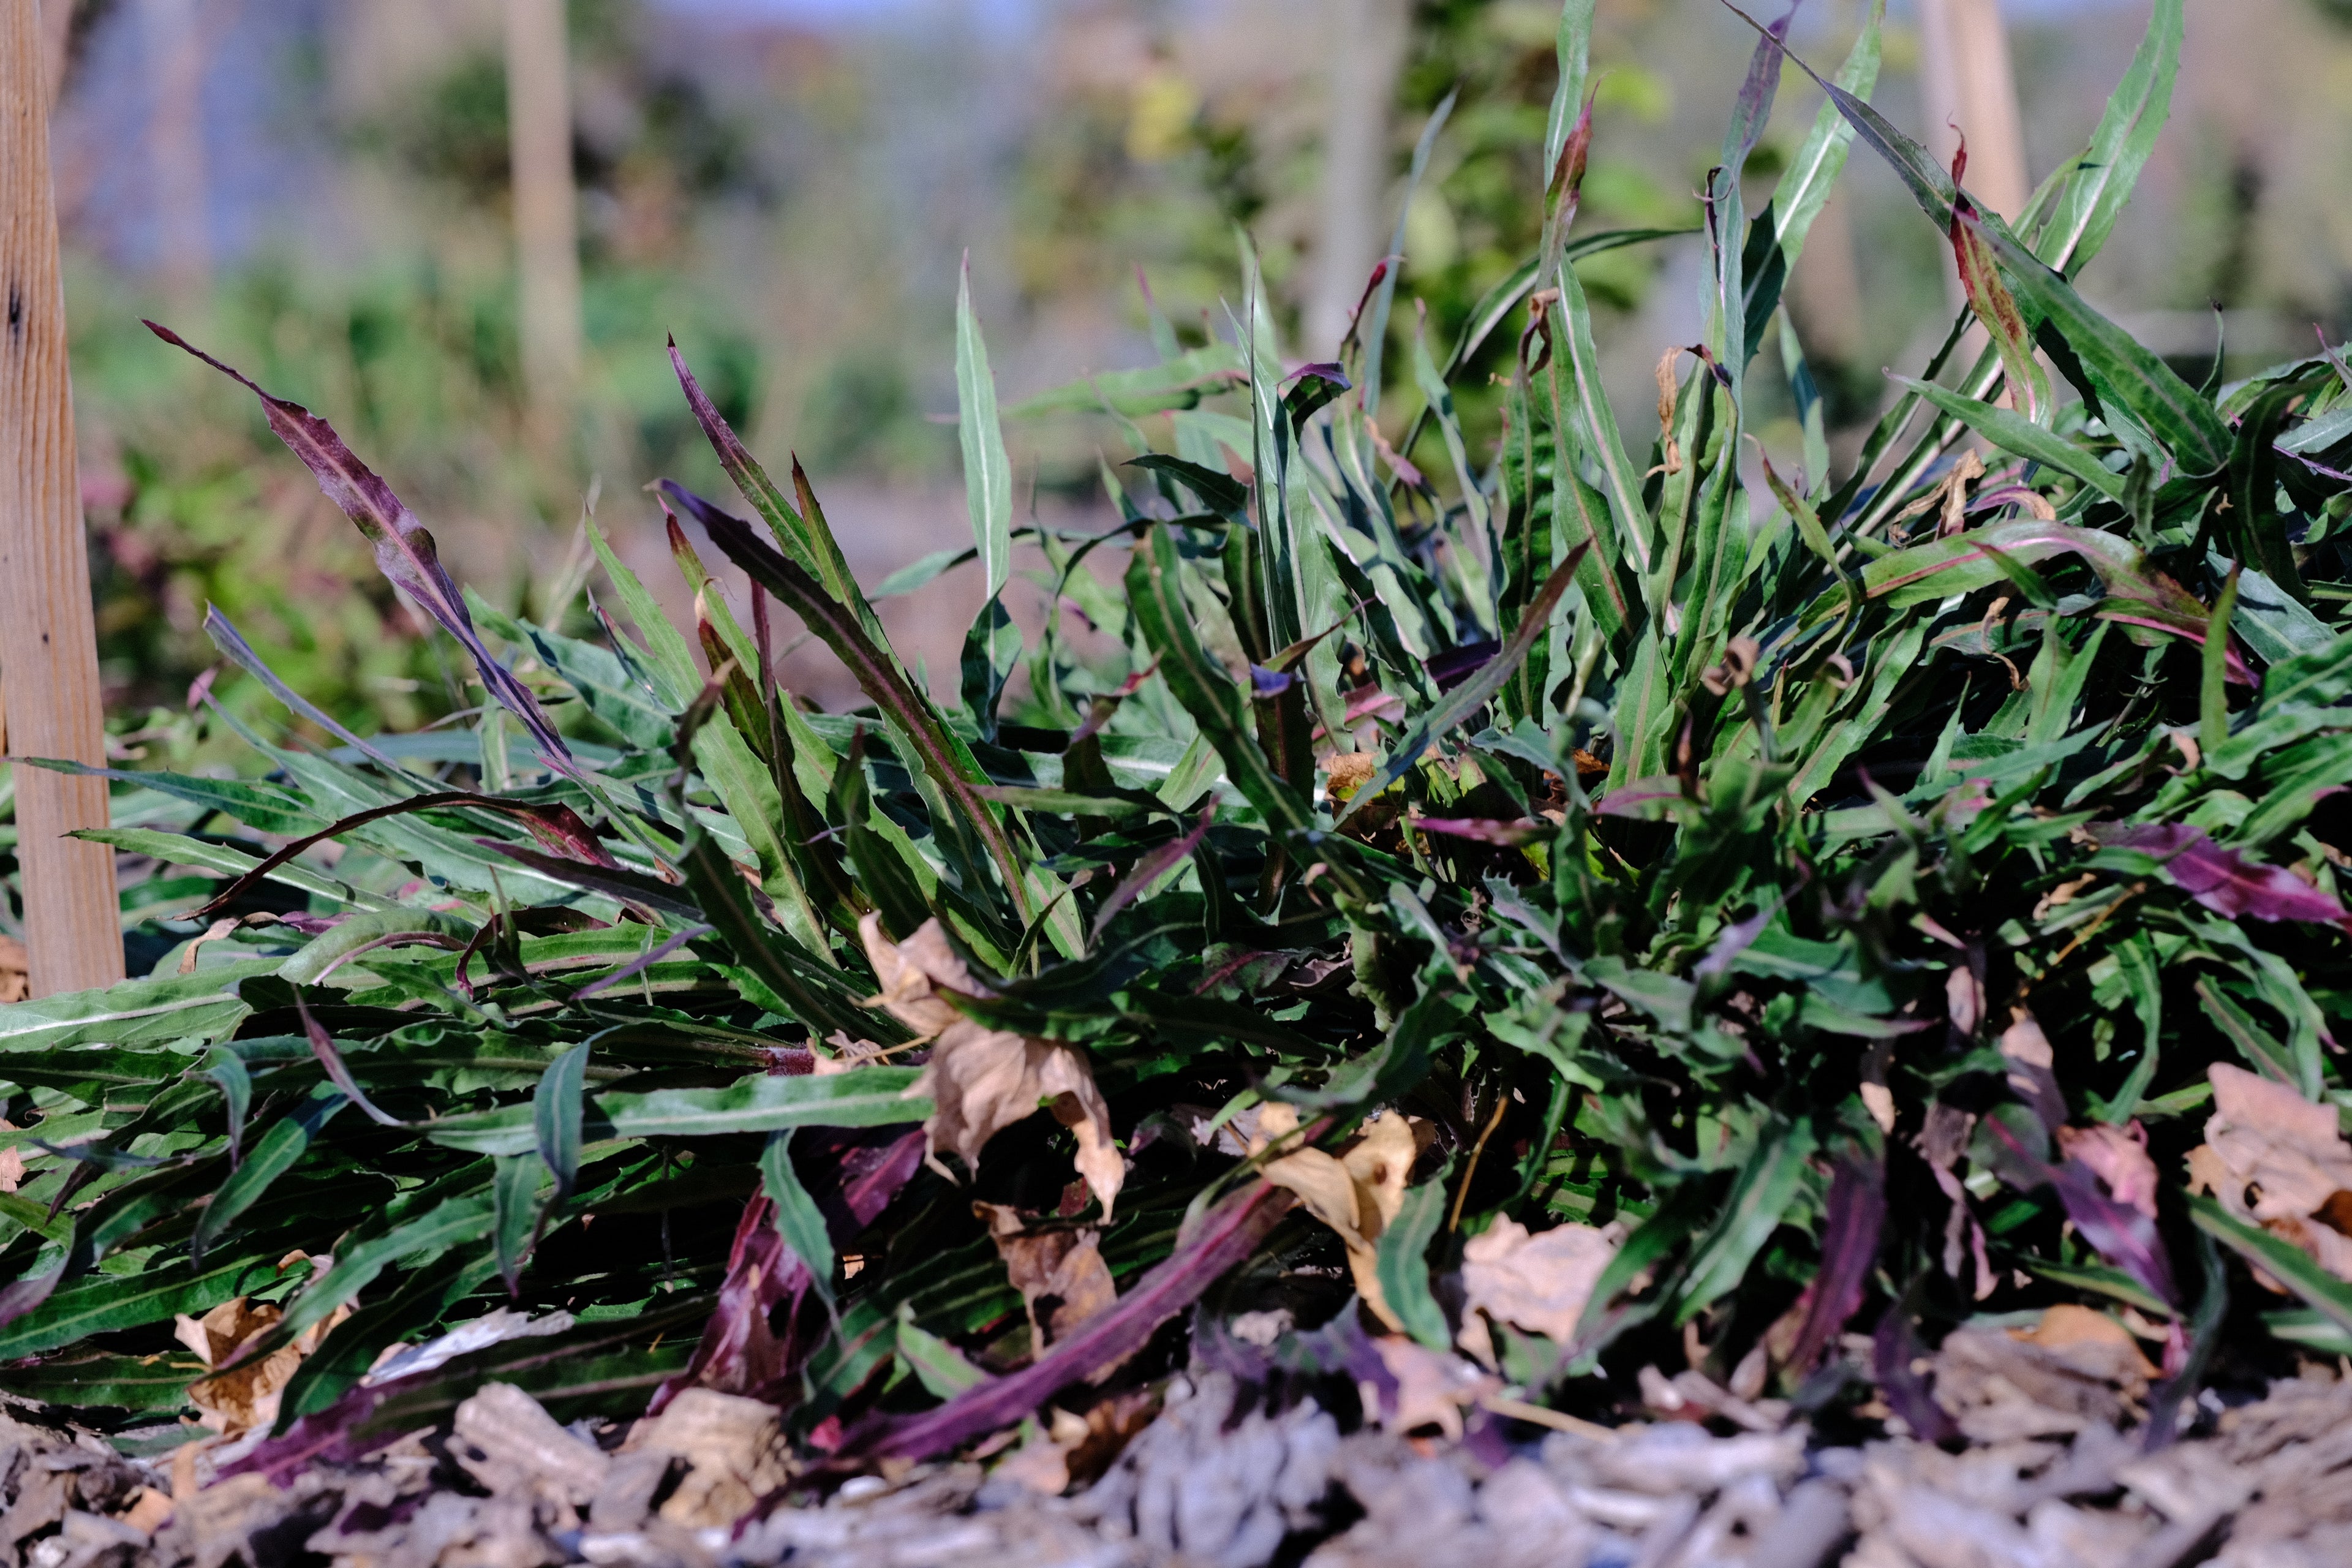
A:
[16,971]
[237,1400]
[1078,1448]
[12,1163]
[2117,1156]
[913,972]
[2279,1160]
[2083,1336]
[1433,1388]
[1538,1281]
[981,1080]
[1357,1192]
[1062,1268]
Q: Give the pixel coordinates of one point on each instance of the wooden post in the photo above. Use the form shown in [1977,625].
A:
[546,219]
[48,643]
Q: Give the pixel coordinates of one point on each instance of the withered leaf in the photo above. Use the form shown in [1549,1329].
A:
[1537,1280]
[1357,1192]
[1063,1267]
[2277,1159]
[981,1080]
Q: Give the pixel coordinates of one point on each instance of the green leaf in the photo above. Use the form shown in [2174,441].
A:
[1768,1184]
[1156,596]
[2100,181]
[862,1097]
[556,1112]
[136,1012]
[938,1365]
[987,471]
[2172,410]
[798,1219]
[107,1303]
[2015,433]
[274,1153]
[514,1213]
[2213,695]
[1403,1261]
[2282,1261]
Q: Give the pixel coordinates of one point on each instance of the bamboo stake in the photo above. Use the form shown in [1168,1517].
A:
[546,220]
[48,647]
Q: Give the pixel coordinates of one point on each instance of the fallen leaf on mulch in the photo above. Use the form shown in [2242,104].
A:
[982,1080]
[246,1397]
[1357,1192]
[2276,1159]
[1433,1388]
[1537,1280]
[1062,1267]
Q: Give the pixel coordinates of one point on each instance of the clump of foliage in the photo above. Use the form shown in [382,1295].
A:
[1841,899]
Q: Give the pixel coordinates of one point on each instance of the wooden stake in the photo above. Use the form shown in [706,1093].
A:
[48,643]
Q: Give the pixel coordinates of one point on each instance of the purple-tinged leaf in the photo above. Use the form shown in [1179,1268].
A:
[1485,830]
[1634,798]
[739,1353]
[1895,1354]
[945,760]
[1456,665]
[339,1073]
[634,888]
[1148,869]
[1856,1215]
[2222,879]
[874,1166]
[2118,1232]
[1535,622]
[24,1295]
[404,551]
[766,1280]
[1312,386]
[557,827]
[1224,1238]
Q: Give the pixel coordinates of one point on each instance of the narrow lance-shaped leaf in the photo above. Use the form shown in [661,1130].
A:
[272,1155]
[556,1117]
[404,551]
[798,1218]
[1994,305]
[514,1214]
[2016,433]
[1156,596]
[946,759]
[1472,694]
[2100,181]
[2170,407]
[987,471]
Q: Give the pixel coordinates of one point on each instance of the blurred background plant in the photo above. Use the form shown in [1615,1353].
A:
[325,190]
